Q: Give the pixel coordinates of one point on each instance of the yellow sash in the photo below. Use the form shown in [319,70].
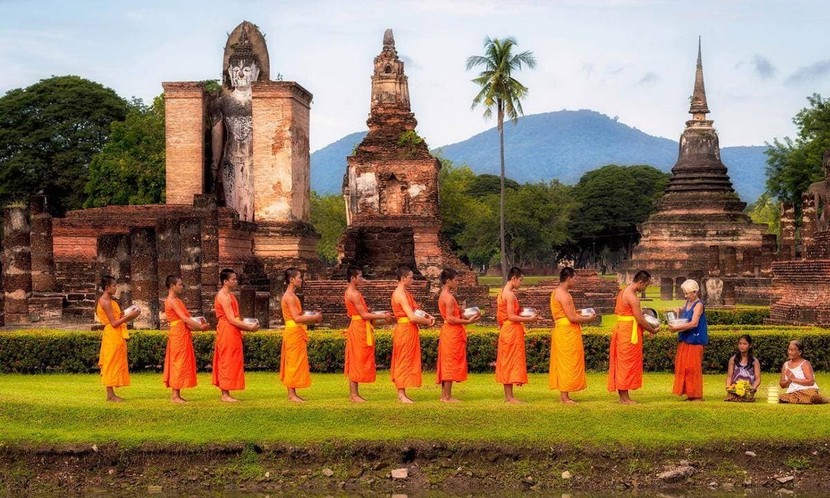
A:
[292,323]
[563,321]
[634,338]
[174,323]
[370,330]
[403,319]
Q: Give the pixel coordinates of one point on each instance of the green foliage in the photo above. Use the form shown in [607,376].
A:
[766,211]
[409,143]
[328,215]
[42,351]
[792,165]
[612,201]
[130,169]
[49,133]
[485,184]
[738,316]
[537,216]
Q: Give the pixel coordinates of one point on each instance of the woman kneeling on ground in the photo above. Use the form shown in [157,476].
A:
[743,366]
[797,376]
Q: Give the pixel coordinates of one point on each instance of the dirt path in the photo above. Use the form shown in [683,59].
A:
[368,469]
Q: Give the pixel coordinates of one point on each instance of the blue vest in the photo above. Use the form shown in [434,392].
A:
[699,334]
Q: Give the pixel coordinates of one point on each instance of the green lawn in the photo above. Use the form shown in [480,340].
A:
[49,409]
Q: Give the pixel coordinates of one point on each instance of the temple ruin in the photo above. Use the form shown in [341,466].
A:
[802,274]
[219,146]
[699,230]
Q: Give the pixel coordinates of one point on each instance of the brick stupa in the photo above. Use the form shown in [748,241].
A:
[391,186]
[700,230]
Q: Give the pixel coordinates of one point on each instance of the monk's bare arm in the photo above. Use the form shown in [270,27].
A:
[510,301]
[400,298]
[567,302]
[106,305]
[192,324]
[225,303]
[354,298]
[634,302]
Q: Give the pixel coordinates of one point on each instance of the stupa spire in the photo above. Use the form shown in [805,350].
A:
[699,108]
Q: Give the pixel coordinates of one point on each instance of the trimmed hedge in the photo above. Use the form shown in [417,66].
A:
[42,351]
[738,316]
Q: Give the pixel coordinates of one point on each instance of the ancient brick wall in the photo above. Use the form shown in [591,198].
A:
[805,292]
[184,131]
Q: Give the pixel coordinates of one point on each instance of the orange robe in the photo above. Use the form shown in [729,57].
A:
[625,361]
[452,347]
[294,370]
[688,370]
[228,357]
[406,348]
[511,359]
[113,357]
[360,346]
[179,359]
[567,357]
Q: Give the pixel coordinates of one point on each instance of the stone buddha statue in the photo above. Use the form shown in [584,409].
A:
[231,137]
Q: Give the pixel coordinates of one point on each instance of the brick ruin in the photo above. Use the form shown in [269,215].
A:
[699,230]
[254,132]
[802,274]
[392,207]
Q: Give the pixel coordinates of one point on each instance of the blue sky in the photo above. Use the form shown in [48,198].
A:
[628,58]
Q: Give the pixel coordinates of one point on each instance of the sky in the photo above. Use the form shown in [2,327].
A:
[631,59]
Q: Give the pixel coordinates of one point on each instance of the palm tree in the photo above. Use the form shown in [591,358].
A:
[500,90]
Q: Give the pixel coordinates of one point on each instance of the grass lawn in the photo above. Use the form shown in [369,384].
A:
[55,409]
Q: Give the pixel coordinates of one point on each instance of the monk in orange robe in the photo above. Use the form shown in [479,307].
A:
[179,359]
[511,359]
[452,343]
[228,357]
[360,336]
[406,344]
[567,357]
[113,356]
[294,370]
[625,362]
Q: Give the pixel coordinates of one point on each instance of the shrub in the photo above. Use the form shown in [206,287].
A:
[41,351]
[738,316]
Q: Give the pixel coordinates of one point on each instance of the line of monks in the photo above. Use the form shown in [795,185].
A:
[567,361]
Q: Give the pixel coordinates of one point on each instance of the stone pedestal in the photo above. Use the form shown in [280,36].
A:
[184,129]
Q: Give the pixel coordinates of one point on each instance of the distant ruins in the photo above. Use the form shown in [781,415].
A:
[802,277]
[700,230]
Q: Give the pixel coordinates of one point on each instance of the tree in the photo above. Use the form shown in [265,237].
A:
[792,165]
[49,133]
[500,90]
[485,184]
[328,215]
[538,216]
[765,210]
[130,168]
[613,201]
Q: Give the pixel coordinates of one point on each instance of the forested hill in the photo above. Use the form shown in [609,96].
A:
[563,145]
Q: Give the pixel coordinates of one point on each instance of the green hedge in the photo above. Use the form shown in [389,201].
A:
[738,316]
[40,351]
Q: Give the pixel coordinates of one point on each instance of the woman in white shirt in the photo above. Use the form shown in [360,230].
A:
[797,376]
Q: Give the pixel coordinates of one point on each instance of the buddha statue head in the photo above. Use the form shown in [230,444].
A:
[243,63]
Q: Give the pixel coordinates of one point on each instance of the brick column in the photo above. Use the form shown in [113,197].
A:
[206,206]
[748,262]
[666,286]
[787,250]
[280,112]
[730,261]
[729,293]
[769,243]
[808,223]
[678,292]
[43,258]
[113,258]
[713,261]
[190,268]
[17,270]
[144,276]
[184,131]
[168,245]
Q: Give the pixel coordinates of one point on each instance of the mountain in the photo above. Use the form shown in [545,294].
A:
[563,145]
